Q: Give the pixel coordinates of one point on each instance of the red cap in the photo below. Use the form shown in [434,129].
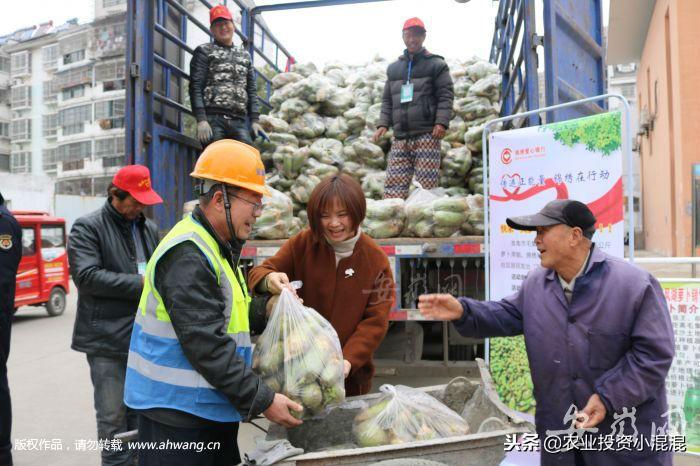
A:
[136,180]
[219,12]
[413,23]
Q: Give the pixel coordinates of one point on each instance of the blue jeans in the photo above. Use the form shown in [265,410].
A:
[113,417]
[224,127]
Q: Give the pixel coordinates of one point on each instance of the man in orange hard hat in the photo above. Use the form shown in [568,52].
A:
[189,371]
[417,105]
[223,92]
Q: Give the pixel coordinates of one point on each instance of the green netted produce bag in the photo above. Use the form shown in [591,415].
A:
[488,87]
[419,212]
[385,218]
[471,108]
[321,170]
[455,133]
[373,114]
[299,355]
[481,69]
[284,139]
[316,88]
[305,69]
[373,185]
[273,125]
[328,151]
[276,219]
[308,126]
[337,128]
[303,186]
[403,415]
[363,151]
[282,79]
[457,162]
[355,118]
[337,104]
[292,108]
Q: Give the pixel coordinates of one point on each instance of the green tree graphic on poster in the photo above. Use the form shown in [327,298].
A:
[599,133]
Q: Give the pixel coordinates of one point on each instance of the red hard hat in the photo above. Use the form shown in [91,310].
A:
[413,23]
[136,180]
[219,12]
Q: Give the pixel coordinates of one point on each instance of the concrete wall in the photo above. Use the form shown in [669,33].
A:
[73,207]
[27,192]
[668,91]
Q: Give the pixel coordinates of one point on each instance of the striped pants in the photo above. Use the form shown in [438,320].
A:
[419,156]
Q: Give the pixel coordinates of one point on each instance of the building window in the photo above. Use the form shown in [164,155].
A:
[49,157]
[73,92]
[74,152]
[21,97]
[4,129]
[50,125]
[80,187]
[112,3]
[5,96]
[111,151]
[74,57]
[70,166]
[110,39]
[21,63]
[4,162]
[50,91]
[21,129]
[74,77]
[72,49]
[49,56]
[21,162]
[110,113]
[100,185]
[628,91]
[4,64]
[111,75]
[72,120]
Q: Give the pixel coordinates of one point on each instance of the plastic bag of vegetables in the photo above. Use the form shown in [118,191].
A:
[385,218]
[308,126]
[404,414]
[419,211]
[299,355]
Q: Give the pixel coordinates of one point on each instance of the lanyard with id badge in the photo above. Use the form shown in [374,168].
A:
[407,89]
[140,253]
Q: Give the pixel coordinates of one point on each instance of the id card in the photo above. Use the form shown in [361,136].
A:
[406,93]
[142,268]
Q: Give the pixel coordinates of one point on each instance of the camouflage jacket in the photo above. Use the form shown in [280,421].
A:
[222,81]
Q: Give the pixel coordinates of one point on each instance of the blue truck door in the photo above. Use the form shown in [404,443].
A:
[574,55]
[154,117]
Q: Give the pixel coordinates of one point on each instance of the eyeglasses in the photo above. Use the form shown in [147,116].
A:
[257,206]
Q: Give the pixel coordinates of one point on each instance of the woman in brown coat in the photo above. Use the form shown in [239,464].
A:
[347,277]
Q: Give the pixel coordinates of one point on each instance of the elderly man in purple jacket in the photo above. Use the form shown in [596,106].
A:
[598,336]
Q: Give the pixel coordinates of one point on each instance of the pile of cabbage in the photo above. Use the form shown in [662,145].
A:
[323,120]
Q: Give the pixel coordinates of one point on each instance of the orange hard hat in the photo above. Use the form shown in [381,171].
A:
[233,163]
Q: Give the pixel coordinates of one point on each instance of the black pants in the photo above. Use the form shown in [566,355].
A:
[5,405]
[225,127]
[210,446]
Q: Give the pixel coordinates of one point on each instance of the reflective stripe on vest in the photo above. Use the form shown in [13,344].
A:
[158,373]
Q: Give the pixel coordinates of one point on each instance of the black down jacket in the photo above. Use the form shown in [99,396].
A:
[103,264]
[433,96]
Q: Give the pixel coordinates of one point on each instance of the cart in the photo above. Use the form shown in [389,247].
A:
[328,440]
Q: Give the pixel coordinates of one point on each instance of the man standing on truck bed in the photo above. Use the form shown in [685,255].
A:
[417,103]
[223,91]
[108,250]
[10,255]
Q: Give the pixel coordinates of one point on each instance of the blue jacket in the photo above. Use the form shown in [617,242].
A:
[614,339]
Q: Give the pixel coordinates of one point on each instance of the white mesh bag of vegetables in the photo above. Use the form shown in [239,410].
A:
[404,414]
[299,355]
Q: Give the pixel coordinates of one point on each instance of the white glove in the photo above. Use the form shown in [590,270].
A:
[257,130]
[204,132]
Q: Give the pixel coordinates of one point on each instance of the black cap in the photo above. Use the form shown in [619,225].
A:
[561,211]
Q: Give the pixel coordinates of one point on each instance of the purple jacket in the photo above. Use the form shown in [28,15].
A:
[614,339]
